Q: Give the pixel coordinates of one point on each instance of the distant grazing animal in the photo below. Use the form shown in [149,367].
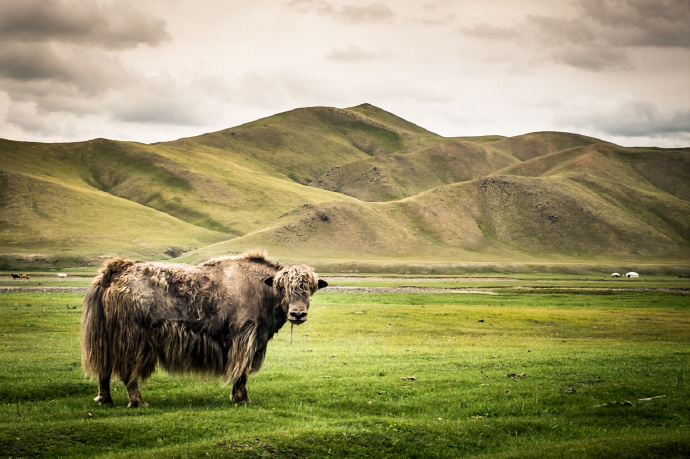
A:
[15,276]
[61,275]
[24,276]
[213,318]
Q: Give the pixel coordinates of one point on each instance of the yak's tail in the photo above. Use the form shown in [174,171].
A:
[95,342]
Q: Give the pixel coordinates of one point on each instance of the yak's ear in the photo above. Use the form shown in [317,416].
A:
[323,283]
[269,281]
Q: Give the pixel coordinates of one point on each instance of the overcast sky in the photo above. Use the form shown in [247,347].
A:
[153,70]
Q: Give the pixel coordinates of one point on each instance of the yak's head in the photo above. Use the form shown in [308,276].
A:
[296,284]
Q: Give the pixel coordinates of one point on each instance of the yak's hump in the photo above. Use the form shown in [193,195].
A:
[254,256]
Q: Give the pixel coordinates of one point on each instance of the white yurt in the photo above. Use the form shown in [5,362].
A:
[632,275]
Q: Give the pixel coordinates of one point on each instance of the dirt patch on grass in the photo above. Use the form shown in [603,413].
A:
[419,279]
[402,289]
[33,289]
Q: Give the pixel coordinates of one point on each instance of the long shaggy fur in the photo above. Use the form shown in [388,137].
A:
[214,318]
[297,279]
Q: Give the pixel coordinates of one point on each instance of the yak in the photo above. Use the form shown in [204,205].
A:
[215,318]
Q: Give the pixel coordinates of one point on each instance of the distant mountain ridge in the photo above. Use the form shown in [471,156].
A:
[323,183]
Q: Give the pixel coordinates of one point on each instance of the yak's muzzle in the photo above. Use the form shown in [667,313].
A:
[297,313]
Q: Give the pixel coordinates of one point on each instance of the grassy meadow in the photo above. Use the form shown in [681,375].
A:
[550,366]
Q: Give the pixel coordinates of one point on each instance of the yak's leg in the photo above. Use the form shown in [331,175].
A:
[135,400]
[239,391]
[103,397]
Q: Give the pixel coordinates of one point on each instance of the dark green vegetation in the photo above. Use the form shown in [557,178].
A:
[573,369]
[357,185]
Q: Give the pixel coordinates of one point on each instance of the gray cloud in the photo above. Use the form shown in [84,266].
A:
[83,69]
[662,23]
[23,62]
[152,109]
[116,26]
[58,60]
[377,12]
[623,116]
[602,36]
[163,99]
[350,14]
[354,54]
[50,108]
[317,6]
[75,69]
[486,31]
[26,116]
[67,44]
[642,118]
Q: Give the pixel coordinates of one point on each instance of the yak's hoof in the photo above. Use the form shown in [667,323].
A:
[246,400]
[137,404]
[101,400]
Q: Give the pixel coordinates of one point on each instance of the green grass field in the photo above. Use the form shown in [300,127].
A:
[578,369]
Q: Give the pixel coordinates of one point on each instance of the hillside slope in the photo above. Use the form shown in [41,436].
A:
[213,187]
[189,199]
[400,175]
[393,177]
[47,222]
[507,218]
[344,184]
[651,169]
[304,143]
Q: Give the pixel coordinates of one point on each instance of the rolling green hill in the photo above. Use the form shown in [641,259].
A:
[304,143]
[397,176]
[132,199]
[503,218]
[344,185]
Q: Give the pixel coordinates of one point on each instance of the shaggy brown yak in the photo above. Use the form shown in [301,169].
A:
[214,318]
